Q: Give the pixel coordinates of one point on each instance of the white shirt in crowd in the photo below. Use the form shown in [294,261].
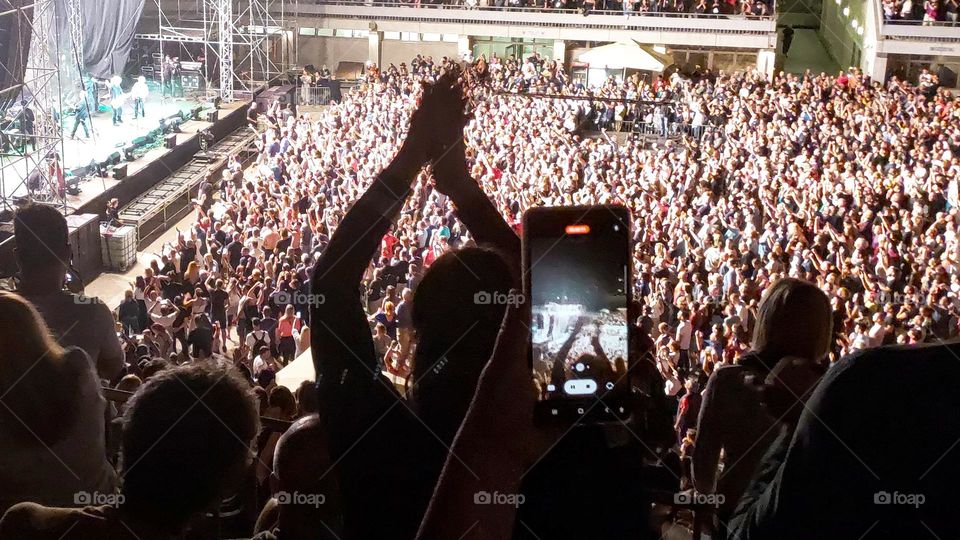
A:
[684,332]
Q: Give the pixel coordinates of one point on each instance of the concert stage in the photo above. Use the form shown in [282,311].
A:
[143,173]
[106,139]
[159,162]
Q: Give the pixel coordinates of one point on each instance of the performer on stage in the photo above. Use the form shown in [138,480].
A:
[166,72]
[117,97]
[81,117]
[27,125]
[93,95]
[139,93]
[177,76]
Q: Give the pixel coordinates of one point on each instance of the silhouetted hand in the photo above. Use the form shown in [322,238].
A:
[438,121]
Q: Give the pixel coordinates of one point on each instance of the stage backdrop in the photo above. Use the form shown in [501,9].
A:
[108,29]
[14,46]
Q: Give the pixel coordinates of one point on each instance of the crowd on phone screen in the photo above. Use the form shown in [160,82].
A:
[814,222]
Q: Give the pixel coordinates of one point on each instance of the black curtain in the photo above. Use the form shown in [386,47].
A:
[108,29]
[14,49]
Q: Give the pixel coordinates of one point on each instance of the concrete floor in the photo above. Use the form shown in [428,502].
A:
[808,52]
[109,287]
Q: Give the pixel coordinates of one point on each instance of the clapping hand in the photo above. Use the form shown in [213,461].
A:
[439,115]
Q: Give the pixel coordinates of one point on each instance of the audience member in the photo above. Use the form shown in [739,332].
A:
[52,415]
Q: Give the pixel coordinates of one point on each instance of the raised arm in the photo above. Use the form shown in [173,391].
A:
[452,175]
[351,388]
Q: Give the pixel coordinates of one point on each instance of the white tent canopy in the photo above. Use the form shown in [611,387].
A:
[626,55]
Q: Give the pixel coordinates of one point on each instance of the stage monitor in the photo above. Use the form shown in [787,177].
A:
[193,81]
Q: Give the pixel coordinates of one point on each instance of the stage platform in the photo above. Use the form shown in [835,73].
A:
[143,173]
[107,139]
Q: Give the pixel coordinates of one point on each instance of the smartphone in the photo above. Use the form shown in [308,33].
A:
[576,277]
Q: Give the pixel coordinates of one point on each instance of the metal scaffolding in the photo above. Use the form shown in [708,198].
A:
[75,23]
[237,34]
[223,13]
[27,168]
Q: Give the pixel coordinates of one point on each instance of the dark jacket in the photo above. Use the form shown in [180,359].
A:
[874,454]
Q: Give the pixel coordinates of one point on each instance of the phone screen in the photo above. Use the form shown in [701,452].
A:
[577,274]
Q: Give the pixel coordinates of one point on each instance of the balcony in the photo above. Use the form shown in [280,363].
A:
[707,30]
[913,35]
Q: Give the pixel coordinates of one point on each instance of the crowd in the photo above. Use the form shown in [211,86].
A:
[678,7]
[928,11]
[814,222]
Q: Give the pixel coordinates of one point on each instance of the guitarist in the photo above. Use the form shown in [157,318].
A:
[117,97]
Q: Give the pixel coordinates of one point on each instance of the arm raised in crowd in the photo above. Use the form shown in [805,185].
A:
[342,344]
[452,176]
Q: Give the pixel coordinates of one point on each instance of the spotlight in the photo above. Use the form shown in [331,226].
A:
[128,152]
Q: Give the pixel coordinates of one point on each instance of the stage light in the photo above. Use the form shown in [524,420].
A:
[195,113]
[170,124]
[128,152]
[577,229]
[212,116]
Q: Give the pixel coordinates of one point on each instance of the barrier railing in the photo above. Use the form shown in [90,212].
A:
[313,95]
[569,7]
[920,30]
[667,130]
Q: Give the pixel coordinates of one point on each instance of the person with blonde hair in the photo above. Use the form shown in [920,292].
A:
[51,415]
[737,416]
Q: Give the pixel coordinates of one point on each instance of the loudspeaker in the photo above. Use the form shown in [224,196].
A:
[212,116]
[120,172]
[170,141]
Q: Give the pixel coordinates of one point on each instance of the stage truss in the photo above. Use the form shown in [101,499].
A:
[42,95]
[237,36]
